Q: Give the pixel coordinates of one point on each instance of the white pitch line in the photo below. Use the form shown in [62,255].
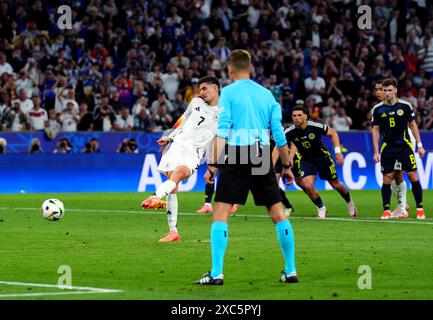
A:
[43,285]
[15,295]
[88,290]
[369,220]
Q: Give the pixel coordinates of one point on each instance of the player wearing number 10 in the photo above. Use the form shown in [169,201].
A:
[391,118]
[313,157]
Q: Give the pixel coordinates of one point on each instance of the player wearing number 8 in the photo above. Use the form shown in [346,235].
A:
[391,119]
[313,157]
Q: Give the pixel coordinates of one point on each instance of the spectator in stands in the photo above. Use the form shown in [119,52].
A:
[425,56]
[23,100]
[143,122]
[86,119]
[64,146]
[339,120]
[4,105]
[128,146]
[162,118]
[35,146]
[124,121]
[14,119]
[4,65]
[315,86]
[69,118]
[67,96]
[179,105]
[52,126]
[162,100]
[179,59]
[171,80]
[95,145]
[37,116]
[104,116]
[87,148]
[124,51]
[141,104]
[3,145]
[24,82]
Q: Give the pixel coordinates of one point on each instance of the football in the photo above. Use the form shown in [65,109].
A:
[53,209]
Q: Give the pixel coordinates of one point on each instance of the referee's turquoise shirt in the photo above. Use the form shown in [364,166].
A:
[246,112]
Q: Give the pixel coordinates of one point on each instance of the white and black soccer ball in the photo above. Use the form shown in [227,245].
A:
[53,209]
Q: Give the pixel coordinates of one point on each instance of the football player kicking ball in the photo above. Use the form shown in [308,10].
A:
[391,119]
[314,157]
[398,185]
[188,143]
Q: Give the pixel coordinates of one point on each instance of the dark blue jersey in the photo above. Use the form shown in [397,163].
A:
[393,122]
[308,141]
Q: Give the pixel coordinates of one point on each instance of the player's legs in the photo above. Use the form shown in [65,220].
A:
[417,193]
[286,240]
[407,159]
[386,194]
[233,186]
[265,192]
[209,191]
[164,189]
[172,213]
[399,189]
[219,237]
[287,205]
[345,194]
[310,190]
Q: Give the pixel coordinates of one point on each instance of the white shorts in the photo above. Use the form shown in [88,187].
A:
[176,156]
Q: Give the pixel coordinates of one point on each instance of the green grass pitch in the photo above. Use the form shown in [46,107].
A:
[110,243]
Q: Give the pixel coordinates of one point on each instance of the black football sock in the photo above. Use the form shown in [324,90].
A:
[318,202]
[417,193]
[386,196]
[209,193]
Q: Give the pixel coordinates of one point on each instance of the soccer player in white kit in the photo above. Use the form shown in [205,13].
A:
[193,134]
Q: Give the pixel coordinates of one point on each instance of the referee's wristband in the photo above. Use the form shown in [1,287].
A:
[419,144]
[337,149]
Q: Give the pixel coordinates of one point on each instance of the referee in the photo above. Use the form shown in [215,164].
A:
[246,112]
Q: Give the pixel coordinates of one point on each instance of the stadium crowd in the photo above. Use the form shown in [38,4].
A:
[135,65]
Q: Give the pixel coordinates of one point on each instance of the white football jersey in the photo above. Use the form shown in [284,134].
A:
[197,128]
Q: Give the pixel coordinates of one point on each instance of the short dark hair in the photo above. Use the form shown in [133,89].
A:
[380,81]
[389,82]
[300,108]
[209,79]
[240,60]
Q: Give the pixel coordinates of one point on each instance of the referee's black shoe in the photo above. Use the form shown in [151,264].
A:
[208,280]
[291,278]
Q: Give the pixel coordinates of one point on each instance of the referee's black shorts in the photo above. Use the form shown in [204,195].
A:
[236,180]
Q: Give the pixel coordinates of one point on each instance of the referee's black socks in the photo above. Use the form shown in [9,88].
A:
[417,193]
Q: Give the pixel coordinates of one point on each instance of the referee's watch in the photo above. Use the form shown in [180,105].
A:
[287,166]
